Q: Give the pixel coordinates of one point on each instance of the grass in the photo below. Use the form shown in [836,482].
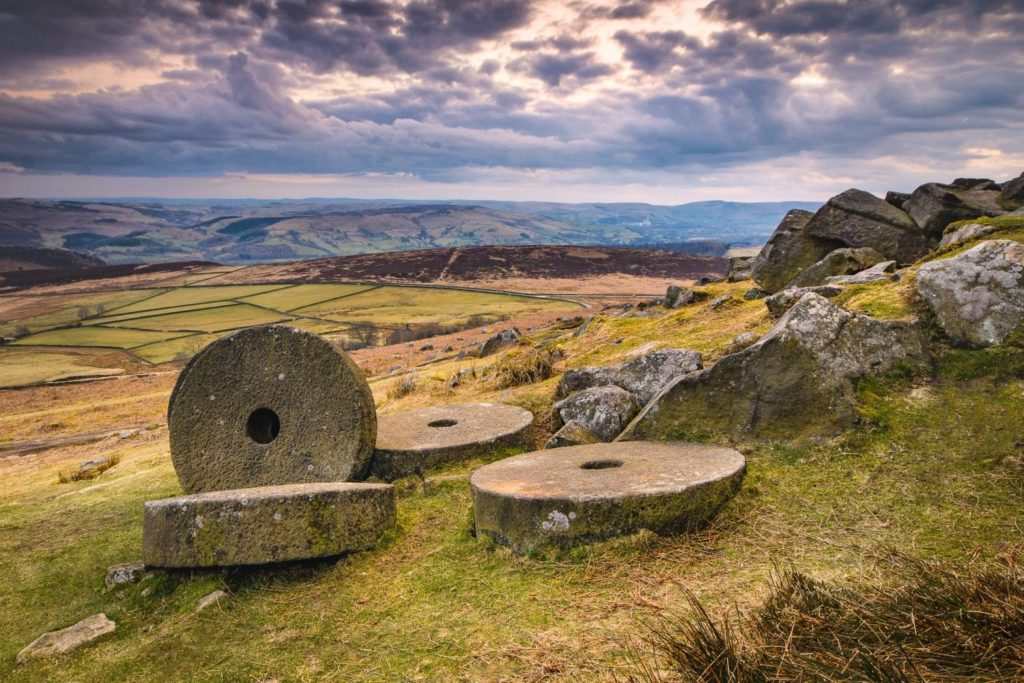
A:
[410,305]
[219,319]
[298,296]
[54,311]
[186,296]
[522,365]
[94,336]
[178,348]
[925,621]
[19,367]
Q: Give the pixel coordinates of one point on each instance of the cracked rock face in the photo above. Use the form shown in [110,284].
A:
[860,219]
[933,206]
[603,411]
[798,377]
[789,251]
[839,262]
[643,376]
[977,296]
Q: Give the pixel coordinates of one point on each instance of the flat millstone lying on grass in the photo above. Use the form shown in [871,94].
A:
[267,406]
[413,441]
[265,524]
[567,496]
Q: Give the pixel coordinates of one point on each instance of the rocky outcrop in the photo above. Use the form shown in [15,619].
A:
[964,234]
[933,206]
[1012,195]
[798,377]
[65,640]
[603,411]
[844,261]
[897,199]
[975,184]
[781,302]
[643,376]
[859,219]
[677,296]
[789,250]
[740,268]
[499,341]
[572,433]
[977,296]
[880,272]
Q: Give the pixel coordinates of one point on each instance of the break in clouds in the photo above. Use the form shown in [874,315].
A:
[872,92]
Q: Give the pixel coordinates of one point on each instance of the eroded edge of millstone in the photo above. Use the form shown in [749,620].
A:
[266,525]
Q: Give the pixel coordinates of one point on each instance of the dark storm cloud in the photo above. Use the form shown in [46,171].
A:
[730,97]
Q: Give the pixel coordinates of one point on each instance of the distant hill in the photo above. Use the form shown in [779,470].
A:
[13,258]
[231,231]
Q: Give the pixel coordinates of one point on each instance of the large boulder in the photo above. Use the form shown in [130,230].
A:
[897,199]
[1012,196]
[780,302]
[740,268]
[643,376]
[499,341]
[844,261]
[933,206]
[602,411]
[677,296]
[789,250]
[975,184]
[859,219]
[798,378]
[884,271]
[977,296]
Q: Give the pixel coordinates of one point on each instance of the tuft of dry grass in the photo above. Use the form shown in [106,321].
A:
[927,620]
[523,365]
[403,387]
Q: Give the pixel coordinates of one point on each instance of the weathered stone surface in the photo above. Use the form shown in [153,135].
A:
[643,376]
[781,302]
[1012,195]
[859,219]
[265,524]
[789,250]
[574,495]
[977,296]
[798,377]
[604,411]
[270,405]
[880,272]
[572,433]
[121,574]
[844,261]
[933,206]
[677,296]
[413,441]
[740,268]
[210,599]
[740,342]
[499,341]
[65,640]
[964,234]
[975,184]
[897,199]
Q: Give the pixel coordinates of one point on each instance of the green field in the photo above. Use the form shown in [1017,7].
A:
[158,325]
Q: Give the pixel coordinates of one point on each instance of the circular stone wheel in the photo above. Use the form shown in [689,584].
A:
[565,496]
[270,405]
[415,440]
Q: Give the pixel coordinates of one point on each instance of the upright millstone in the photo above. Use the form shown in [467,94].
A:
[567,496]
[270,405]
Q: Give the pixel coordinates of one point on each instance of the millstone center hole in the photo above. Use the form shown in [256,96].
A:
[263,425]
[442,423]
[600,464]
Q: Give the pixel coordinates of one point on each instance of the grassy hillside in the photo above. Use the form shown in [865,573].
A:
[933,469]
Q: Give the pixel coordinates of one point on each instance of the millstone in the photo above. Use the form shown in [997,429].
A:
[414,440]
[270,405]
[573,495]
[265,524]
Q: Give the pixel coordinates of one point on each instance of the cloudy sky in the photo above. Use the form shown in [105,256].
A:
[573,100]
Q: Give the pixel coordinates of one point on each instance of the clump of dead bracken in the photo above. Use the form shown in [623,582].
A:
[927,621]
